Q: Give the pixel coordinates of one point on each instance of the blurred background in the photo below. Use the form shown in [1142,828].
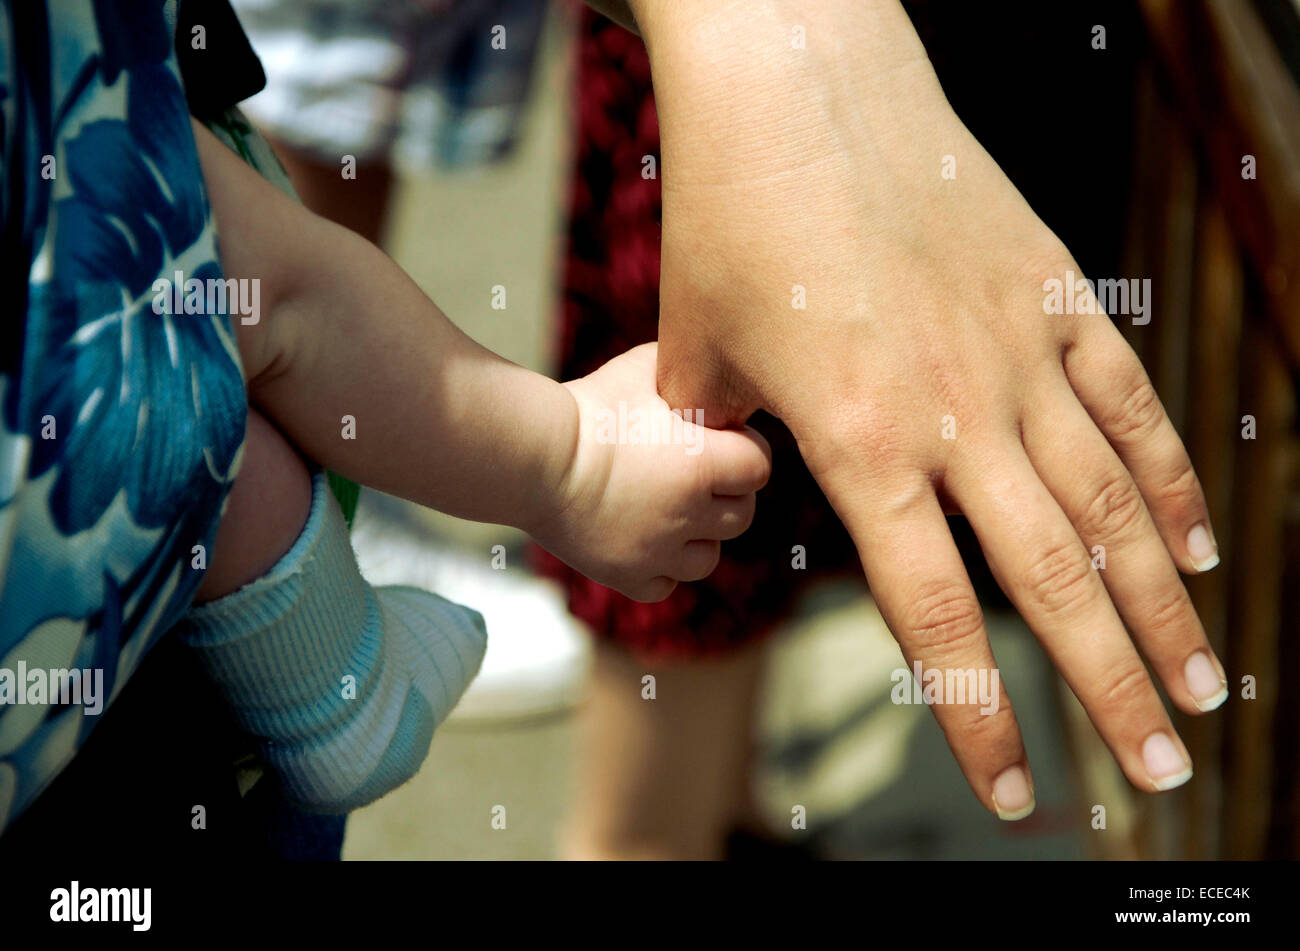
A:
[1189,91]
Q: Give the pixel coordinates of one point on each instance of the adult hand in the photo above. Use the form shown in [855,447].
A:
[923,375]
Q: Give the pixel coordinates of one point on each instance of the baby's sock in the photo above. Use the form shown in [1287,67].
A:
[341,683]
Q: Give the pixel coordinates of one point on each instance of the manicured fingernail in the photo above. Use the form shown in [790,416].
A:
[1204,682]
[1201,548]
[1165,765]
[1012,796]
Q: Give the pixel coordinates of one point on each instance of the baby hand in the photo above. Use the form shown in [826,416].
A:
[649,495]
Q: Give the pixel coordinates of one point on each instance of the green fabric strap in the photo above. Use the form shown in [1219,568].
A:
[347,492]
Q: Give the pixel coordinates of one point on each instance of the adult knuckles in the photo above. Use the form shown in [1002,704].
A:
[1172,616]
[854,428]
[1124,689]
[1138,412]
[995,735]
[1183,492]
[944,619]
[1116,510]
[1060,579]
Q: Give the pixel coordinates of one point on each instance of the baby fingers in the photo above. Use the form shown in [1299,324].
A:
[727,516]
[697,560]
[740,460]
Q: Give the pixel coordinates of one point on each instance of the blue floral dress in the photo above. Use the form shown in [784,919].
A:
[120,429]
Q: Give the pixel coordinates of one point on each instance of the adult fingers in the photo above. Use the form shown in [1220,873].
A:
[1104,504]
[1040,562]
[1114,388]
[920,585]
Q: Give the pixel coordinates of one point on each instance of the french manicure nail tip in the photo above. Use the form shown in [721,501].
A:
[1165,765]
[1202,549]
[1012,796]
[1205,706]
[1204,682]
[1172,782]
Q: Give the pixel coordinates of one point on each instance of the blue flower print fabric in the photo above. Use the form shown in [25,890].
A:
[120,427]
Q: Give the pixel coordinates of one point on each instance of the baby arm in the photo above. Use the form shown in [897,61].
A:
[443,422]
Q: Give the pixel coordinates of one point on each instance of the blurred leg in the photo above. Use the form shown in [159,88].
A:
[658,779]
[265,511]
